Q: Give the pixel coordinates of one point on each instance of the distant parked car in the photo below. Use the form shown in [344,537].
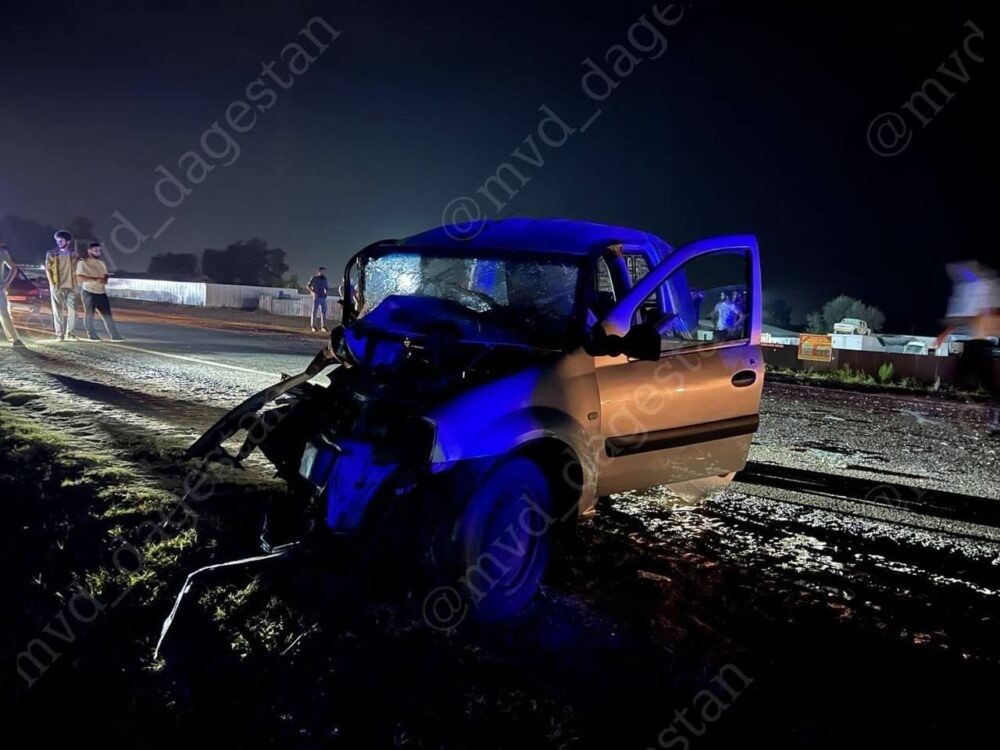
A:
[852,325]
[915,347]
[955,342]
[24,291]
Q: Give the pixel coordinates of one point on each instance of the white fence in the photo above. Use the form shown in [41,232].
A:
[275,300]
[244,297]
[197,293]
[300,307]
[153,290]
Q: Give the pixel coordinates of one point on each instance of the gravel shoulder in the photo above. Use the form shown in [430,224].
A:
[912,440]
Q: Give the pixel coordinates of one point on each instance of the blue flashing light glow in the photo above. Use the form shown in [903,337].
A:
[355,479]
[488,420]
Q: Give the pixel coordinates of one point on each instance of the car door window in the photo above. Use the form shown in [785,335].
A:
[638,268]
[705,301]
[603,296]
[602,278]
[637,265]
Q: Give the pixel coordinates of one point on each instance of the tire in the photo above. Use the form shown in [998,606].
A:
[504,536]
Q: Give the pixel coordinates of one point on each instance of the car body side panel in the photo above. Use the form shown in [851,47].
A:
[678,418]
[558,401]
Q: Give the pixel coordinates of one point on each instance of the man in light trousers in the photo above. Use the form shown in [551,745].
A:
[60,268]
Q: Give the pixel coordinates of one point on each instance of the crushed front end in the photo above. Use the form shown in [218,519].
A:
[421,330]
[358,454]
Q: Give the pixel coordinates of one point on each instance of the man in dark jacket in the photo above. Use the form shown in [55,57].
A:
[318,286]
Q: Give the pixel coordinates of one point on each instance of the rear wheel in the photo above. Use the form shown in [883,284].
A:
[504,536]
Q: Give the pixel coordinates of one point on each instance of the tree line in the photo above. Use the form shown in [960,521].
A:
[778,313]
[249,262]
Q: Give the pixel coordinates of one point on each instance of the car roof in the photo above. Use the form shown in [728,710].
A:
[566,236]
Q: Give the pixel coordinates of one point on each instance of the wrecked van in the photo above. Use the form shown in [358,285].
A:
[488,384]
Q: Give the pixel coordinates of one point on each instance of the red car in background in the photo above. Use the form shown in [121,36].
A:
[32,290]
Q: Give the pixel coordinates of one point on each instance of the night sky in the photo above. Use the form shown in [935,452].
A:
[754,119]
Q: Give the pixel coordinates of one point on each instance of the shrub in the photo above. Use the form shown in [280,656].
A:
[848,375]
[885,372]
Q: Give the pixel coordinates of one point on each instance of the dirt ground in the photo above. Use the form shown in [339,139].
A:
[767,616]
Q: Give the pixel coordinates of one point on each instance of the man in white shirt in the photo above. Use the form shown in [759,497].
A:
[728,319]
[8,272]
[93,275]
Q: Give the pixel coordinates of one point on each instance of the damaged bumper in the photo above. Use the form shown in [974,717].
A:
[349,473]
[338,455]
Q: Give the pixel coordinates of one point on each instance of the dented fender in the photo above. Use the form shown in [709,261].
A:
[550,402]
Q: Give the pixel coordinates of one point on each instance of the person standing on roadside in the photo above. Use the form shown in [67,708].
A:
[723,317]
[8,272]
[352,292]
[93,275]
[60,269]
[318,287]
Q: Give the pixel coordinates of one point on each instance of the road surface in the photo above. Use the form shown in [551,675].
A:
[180,375]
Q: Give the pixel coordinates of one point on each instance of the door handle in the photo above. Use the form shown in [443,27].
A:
[744,378]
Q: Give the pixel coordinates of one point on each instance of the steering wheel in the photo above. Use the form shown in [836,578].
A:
[491,304]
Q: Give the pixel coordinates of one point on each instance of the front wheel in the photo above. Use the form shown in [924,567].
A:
[504,536]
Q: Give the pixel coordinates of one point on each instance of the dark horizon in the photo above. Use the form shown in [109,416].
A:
[751,119]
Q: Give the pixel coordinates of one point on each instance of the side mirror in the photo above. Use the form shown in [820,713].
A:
[641,342]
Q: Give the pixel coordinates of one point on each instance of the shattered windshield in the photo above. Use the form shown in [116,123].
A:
[535,296]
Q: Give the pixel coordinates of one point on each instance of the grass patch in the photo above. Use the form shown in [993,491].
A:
[110,523]
[20,432]
[68,513]
[849,376]
[110,473]
[133,500]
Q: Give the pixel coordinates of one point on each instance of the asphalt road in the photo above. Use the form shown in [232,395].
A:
[257,352]
[193,365]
